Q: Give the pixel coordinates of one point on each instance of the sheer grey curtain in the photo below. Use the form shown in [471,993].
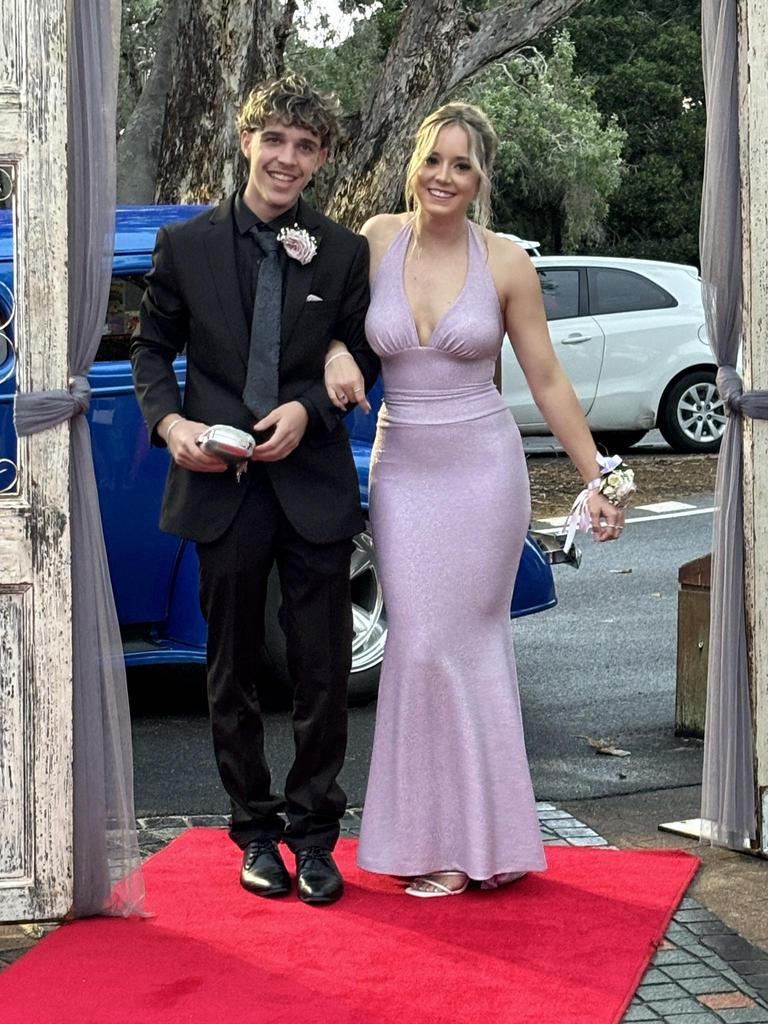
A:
[728,785]
[107,873]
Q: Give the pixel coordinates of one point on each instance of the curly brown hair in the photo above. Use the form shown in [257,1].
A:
[293,101]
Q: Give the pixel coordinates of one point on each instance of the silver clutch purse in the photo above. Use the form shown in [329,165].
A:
[227,443]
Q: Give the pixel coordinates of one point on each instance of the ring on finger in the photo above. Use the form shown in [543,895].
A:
[355,390]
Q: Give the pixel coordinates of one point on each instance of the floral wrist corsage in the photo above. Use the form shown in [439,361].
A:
[616,482]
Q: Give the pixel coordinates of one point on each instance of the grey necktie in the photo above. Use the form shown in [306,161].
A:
[260,394]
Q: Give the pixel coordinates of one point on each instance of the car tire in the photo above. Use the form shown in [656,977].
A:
[692,415]
[370,633]
[616,441]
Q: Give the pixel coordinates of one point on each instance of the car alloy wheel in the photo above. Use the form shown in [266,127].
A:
[693,417]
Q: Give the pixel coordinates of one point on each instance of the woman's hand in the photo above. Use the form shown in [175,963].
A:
[607,519]
[343,379]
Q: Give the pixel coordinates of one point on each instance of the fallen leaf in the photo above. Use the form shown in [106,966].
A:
[605,746]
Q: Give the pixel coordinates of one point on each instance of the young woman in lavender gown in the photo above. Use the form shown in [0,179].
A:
[449,795]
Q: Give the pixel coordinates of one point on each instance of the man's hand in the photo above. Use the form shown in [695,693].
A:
[290,422]
[181,437]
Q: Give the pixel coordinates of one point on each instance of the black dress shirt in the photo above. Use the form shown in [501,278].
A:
[248,256]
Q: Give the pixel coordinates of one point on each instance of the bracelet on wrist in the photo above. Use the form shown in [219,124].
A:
[337,355]
[170,428]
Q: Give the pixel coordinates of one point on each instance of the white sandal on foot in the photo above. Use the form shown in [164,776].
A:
[437,888]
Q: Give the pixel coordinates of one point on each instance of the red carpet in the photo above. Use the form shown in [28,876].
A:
[567,946]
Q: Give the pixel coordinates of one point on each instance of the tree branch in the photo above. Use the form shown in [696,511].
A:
[501,29]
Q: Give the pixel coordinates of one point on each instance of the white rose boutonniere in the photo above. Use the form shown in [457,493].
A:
[298,243]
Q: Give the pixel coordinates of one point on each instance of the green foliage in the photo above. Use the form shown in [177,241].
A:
[559,160]
[386,17]
[644,57]
[346,70]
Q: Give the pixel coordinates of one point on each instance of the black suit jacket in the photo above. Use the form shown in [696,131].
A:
[193,302]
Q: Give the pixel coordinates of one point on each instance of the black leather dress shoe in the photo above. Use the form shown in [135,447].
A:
[318,880]
[263,871]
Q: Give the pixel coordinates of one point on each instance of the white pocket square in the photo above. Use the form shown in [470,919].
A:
[314,298]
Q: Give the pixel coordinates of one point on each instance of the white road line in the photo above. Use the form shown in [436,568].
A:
[643,519]
[663,506]
[672,515]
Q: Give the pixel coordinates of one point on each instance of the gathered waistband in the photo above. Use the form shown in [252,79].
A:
[453,405]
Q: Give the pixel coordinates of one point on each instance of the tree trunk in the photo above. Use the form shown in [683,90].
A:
[139,146]
[226,46]
[223,49]
[437,47]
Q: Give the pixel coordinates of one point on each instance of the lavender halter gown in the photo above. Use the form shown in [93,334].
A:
[449,785]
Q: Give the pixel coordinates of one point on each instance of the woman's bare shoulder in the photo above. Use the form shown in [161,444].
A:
[506,250]
[381,232]
[382,228]
[510,264]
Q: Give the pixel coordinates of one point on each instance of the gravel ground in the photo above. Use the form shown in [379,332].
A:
[664,477]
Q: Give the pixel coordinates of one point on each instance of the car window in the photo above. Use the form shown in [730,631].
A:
[623,291]
[560,291]
[125,294]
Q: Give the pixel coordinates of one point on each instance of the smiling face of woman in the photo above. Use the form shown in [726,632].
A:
[446,183]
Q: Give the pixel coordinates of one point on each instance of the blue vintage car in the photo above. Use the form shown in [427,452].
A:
[154,574]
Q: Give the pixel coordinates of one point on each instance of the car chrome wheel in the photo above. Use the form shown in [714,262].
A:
[368,614]
[369,623]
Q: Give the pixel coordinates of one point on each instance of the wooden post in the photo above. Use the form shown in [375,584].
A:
[693,608]
[753,122]
[35,580]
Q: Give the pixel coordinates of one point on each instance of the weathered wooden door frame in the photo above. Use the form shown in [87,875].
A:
[753,125]
[35,575]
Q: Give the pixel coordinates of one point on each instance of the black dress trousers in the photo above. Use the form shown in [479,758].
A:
[317,618]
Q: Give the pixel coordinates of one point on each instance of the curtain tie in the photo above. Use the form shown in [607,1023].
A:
[737,401]
[80,390]
[35,411]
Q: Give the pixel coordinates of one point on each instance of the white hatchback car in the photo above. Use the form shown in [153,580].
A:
[631,337]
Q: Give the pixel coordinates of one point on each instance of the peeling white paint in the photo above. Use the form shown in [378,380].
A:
[35,583]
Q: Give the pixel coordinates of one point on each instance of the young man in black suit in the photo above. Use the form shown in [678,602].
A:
[253,292]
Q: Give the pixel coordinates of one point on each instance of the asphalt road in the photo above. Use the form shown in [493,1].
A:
[601,665]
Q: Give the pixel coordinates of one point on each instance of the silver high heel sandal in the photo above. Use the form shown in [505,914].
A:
[437,888]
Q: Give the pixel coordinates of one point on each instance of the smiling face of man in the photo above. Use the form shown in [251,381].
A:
[281,159]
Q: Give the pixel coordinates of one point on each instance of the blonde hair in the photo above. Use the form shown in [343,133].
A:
[292,100]
[483,143]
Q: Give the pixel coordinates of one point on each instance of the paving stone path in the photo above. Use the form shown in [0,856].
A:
[703,972]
